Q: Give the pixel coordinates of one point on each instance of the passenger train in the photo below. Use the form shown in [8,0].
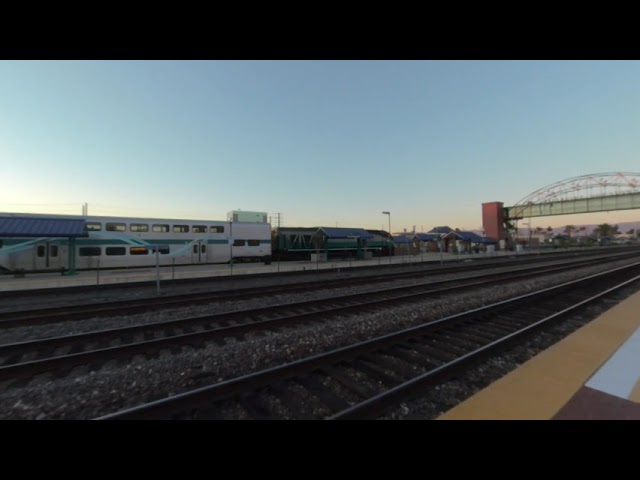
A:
[116,242]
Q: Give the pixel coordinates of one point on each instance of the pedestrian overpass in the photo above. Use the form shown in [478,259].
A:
[603,192]
[600,192]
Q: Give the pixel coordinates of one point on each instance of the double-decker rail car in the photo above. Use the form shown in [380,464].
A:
[120,242]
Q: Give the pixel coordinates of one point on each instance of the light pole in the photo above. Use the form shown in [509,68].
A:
[389,213]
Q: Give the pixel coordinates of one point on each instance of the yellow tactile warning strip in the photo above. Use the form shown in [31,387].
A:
[539,388]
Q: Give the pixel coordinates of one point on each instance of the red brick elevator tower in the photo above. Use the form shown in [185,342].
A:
[493,220]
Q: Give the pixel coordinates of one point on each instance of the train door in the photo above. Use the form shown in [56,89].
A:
[47,256]
[199,252]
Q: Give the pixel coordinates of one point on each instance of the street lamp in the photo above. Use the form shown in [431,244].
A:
[389,213]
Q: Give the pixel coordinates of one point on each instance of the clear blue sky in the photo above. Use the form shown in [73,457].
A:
[322,142]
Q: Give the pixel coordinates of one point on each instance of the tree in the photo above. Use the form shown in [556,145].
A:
[569,229]
[606,230]
[631,232]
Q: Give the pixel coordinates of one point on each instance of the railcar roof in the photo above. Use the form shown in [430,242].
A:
[41,227]
[332,232]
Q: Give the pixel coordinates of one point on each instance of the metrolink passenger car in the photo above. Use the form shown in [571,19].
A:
[118,242]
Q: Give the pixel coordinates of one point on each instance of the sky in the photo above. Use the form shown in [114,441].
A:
[321,143]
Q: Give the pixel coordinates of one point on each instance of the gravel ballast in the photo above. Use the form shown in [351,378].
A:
[114,387]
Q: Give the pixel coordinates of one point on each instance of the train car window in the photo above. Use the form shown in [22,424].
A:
[116,251]
[89,251]
[238,243]
[164,249]
[138,251]
[116,227]
[199,229]
[160,228]
[41,250]
[94,226]
[203,248]
[53,250]
[253,243]
[195,248]
[181,229]
[139,227]
[216,229]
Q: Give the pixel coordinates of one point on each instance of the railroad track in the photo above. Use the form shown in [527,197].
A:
[364,379]
[51,315]
[23,360]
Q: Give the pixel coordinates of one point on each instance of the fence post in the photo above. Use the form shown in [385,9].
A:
[157,269]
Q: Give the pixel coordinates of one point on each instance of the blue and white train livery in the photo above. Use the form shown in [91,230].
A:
[118,242]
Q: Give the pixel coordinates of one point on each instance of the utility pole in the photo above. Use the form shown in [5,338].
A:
[279,218]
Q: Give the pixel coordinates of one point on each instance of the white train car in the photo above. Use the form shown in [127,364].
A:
[120,242]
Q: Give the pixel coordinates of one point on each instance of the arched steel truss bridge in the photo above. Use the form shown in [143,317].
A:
[600,192]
